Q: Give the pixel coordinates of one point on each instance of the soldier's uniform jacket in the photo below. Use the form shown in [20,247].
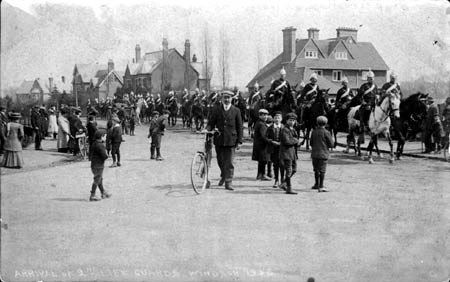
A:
[393,88]
[309,92]
[343,95]
[288,144]
[368,92]
[279,87]
[229,124]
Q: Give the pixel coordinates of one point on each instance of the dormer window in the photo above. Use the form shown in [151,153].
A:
[340,55]
[311,54]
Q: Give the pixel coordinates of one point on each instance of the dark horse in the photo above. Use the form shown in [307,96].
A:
[278,102]
[173,109]
[186,112]
[412,113]
[309,111]
[257,102]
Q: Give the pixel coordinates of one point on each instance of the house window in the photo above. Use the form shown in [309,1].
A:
[340,55]
[311,54]
[337,75]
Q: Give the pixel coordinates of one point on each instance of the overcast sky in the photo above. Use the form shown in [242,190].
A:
[252,24]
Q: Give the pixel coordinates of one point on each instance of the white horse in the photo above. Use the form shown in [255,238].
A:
[379,123]
[140,104]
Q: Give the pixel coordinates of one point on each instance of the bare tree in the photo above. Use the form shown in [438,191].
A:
[224,58]
[207,54]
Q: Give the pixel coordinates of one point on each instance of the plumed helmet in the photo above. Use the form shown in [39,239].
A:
[370,74]
[393,75]
[313,76]
[283,71]
[256,85]
[345,79]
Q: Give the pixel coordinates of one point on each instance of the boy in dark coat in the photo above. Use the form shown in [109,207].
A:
[321,141]
[98,157]
[155,132]
[274,134]
[116,140]
[260,143]
[288,155]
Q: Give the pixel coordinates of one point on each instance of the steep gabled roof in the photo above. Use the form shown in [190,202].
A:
[89,71]
[102,79]
[200,68]
[25,87]
[267,71]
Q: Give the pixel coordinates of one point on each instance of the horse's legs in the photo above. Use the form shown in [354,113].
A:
[391,146]
[372,143]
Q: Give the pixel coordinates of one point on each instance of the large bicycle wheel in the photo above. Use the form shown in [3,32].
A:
[199,173]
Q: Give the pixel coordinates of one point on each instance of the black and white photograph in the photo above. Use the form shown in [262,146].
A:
[225,140]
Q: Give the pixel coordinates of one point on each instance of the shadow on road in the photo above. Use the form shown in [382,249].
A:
[71,199]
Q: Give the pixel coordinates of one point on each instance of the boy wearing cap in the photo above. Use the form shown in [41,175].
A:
[288,155]
[155,132]
[260,143]
[321,141]
[98,156]
[116,140]
[274,134]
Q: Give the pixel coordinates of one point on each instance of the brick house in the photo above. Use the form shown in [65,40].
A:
[33,91]
[331,58]
[92,81]
[164,70]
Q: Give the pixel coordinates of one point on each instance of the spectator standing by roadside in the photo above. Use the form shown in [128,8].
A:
[13,146]
[288,152]
[274,133]
[63,131]
[260,143]
[52,123]
[36,124]
[3,123]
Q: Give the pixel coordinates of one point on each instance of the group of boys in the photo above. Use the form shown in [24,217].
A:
[277,144]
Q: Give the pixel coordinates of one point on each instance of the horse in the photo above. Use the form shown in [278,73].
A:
[173,109]
[309,111]
[379,123]
[141,105]
[256,102]
[412,113]
[186,115]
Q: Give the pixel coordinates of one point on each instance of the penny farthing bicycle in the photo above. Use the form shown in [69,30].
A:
[201,163]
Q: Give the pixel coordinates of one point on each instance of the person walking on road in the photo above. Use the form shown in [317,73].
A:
[63,131]
[98,157]
[273,133]
[227,119]
[13,146]
[321,141]
[37,124]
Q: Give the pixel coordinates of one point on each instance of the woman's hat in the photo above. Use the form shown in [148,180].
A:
[14,115]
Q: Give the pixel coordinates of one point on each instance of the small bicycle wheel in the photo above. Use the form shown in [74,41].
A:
[83,147]
[199,173]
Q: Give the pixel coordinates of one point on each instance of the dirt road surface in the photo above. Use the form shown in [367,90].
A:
[379,222]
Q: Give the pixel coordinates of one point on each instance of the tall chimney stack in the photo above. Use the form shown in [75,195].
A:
[187,59]
[110,65]
[347,31]
[138,52]
[288,44]
[165,63]
[313,33]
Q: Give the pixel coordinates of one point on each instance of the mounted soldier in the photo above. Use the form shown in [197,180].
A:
[343,98]
[310,90]
[391,87]
[278,90]
[368,93]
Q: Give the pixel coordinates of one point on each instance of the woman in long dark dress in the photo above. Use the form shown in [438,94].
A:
[13,146]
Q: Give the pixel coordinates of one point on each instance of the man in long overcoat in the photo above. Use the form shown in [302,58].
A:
[227,119]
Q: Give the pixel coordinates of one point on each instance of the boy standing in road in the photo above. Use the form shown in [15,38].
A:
[321,141]
[98,157]
[288,155]
[274,133]
[155,132]
[116,140]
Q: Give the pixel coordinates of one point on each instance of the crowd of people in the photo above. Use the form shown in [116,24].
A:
[275,135]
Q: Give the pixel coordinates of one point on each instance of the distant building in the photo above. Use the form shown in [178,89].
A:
[165,70]
[331,58]
[92,81]
[33,91]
